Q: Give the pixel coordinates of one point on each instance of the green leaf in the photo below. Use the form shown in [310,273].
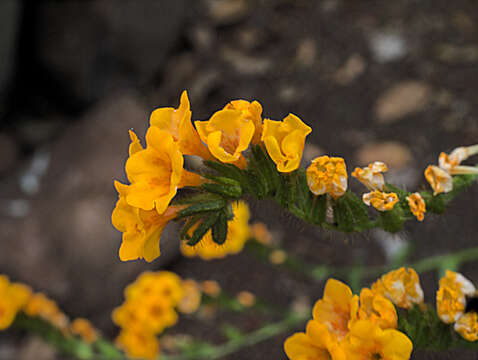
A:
[391,220]
[190,222]
[231,191]
[219,230]
[202,207]
[207,222]
[350,213]
[318,209]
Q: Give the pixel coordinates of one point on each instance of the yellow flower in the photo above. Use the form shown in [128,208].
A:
[84,329]
[284,141]
[8,311]
[191,299]
[141,228]
[246,298]
[251,111]
[317,343]
[237,234]
[380,200]
[20,294]
[178,123]
[417,206]
[157,172]
[277,257]
[327,175]
[166,284]
[452,296]
[138,344]
[227,134]
[467,326]
[337,308]
[261,234]
[13,297]
[451,163]
[367,341]
[41,306]
[402,287]
[378,309]
[439,179]
[371,176]
[211,288]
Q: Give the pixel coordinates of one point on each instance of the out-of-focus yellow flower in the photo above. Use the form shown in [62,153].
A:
[371,176]
[211,288]
[13,297]
[381,201]
[227,134]
[191,299]
[367,340]
[417,206]
[451,163]
[317,343]
[378,309]
[246,298]
[138,344]
[237,234]
[45,308]
[402,287]
[260,232]
[277,257]
[251,111]
[440,180]
[467,326]
[8,311]
[337,308]
[327,175]
[19,294]
[84,329]
[452,295]
[141,228]
[178,123]
[284,141]
[156,172]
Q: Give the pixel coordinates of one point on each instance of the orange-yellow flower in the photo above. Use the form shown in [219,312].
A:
[13,297]
[371,176]
[417,206]
[178,123]
[41,306]
[157,172]
[378,309]
[451,163]
[141,228]
[327,175]
[317,343]
[138,344]
[284,141]
[452,296]
[381,201]
[261,233]
[402,287]
[440,180]
[238,232]
[227,134]
[191,299]
[84,329]
[246,298]
[211,288]
[337,308]
[467,326]
[251,111]
[367,340]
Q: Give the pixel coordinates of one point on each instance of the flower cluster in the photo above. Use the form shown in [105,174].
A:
[156,172]
[13,298]
[237,235]
[149,308]
[440,177]
[347,326]
[457,303]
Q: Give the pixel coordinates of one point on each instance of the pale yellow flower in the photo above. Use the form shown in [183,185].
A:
[402,287]
[327,175]
[440,180]
[451,163]
[211,288]
[467,326]
[246,298]
[417,206]
[380,200]
[284,141]
[371,176]
[191,299]
[261,233]
[84,329]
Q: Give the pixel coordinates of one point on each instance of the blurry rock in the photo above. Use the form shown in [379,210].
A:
[9,19]
[202,38]
[37,131]
[203,84]
[251,38]
[245,64]
[66,245]
[226,12]
[400,100]
[388,46]
[353,67]
[306,52]
[290,93]
[92,47]
[31,177]
[394,154]
[463,21]
[457,54]
[9,153]
[36,348]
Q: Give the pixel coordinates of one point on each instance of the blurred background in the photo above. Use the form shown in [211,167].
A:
[376,80]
